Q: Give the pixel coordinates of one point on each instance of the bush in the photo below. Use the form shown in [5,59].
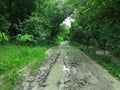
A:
[3,37]
[116,52]
[58,39]
[35,26]
[4,24]
[25,38]
[64,31]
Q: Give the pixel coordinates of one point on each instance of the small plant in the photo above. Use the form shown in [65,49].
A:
[25,38]
[59,39]
[3,37]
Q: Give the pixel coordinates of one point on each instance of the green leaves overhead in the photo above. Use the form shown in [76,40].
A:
[39,18]
[100,22]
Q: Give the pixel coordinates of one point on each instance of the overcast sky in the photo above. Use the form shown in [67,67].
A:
[68,21]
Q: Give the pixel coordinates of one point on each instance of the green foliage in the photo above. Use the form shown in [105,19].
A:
[56,12]
[16,56]
[19,9]
[13,58]
[3,37]
[4,24]
[58,39]
[34,26]
[81,47]
[116,52]
[24,38]
[39,18]
[97,23]
[64,32]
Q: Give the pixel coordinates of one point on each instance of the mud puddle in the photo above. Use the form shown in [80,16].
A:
[70,69]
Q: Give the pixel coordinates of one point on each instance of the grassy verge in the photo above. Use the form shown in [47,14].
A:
[13,58]
[108,63]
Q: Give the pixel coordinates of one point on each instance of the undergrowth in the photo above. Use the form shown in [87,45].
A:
[13,58]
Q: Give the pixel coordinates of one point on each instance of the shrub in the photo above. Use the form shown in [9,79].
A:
[4,24]
[35,26]
[3,37]
[116,52]
[58,39]
[24,38]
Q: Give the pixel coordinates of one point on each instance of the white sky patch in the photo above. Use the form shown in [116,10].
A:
[68,21]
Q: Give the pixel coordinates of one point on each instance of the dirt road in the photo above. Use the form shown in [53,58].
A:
[70,69]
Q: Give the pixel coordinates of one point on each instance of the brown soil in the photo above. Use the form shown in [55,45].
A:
[70,69]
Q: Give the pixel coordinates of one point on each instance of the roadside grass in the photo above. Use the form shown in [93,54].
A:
[112,65]
[13,58]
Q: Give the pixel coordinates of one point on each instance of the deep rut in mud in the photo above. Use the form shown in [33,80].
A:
[70,69]
[37,82]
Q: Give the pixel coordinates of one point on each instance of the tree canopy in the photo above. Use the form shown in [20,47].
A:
[97,22]
[39,18]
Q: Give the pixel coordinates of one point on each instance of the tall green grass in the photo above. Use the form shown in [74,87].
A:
[13,58]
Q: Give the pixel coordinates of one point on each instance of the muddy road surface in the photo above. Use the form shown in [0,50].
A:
[69,69]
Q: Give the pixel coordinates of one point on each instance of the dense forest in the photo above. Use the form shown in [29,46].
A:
[35,21]
[97,22]
[40,22]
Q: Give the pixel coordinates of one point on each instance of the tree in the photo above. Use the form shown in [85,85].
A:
[99,21]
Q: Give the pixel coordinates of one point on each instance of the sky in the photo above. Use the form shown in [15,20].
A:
[68,21]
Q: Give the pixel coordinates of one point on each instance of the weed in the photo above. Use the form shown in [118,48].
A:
[13,58]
